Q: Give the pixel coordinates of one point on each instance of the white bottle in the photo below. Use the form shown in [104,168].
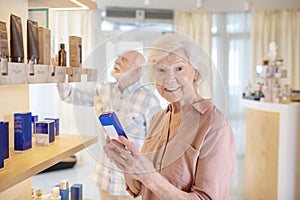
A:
[55,194]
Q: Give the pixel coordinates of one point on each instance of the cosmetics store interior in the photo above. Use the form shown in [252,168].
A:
[50,146]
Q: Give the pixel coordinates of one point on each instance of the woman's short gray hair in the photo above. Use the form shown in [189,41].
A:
[172,42]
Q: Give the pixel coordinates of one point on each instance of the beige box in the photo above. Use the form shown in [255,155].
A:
[75,56]
[45,45]
[3,40]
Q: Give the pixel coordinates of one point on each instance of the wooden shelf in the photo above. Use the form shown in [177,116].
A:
[21,166]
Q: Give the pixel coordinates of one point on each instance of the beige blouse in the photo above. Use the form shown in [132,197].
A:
[194,150]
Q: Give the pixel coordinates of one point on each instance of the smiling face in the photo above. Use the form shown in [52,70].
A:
[174,78]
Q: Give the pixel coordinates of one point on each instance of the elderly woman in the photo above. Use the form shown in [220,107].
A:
[189,152]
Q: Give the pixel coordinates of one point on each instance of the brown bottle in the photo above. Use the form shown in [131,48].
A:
[62,56]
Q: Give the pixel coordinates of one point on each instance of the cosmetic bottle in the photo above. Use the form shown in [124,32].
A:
[31,63]
[64,189]
[16,39]
[33,52]
[62,56]
[55,194]
[4,65]
[38,194]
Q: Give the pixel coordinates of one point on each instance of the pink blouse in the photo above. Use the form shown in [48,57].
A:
[194,150]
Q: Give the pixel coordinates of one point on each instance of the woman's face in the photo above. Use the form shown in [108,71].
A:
[174,78]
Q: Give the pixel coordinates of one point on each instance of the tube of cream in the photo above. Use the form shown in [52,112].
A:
[33,52]
[16,39]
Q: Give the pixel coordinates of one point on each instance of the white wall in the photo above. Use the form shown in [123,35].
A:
[14,98]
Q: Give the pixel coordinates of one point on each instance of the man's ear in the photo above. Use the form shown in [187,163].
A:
[137,70]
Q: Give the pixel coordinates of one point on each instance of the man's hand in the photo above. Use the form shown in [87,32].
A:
[64,90]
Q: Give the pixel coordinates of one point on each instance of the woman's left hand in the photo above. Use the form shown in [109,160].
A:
[128,158]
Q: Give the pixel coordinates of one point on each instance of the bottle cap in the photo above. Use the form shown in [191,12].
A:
[64,185]
[62,45]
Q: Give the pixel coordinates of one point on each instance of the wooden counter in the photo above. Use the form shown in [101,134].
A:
[22,166]
[272,161]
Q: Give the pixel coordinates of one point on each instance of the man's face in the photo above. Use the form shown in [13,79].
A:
[124,63]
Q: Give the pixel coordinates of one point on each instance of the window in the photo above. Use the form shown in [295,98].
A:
[231,53]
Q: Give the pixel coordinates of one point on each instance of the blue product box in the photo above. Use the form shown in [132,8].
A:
[44,132]
[1,146]
[22,131]
[34,118]
[112,125]
[56,124]
[76,192]
[6,139]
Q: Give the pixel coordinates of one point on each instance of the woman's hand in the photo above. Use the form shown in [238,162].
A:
[128,158]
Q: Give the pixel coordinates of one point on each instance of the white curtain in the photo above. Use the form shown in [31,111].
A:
[197,25]
[282,27]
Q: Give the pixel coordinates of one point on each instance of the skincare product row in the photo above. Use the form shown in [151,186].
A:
[61,192]
[38,45]
[75,49]
[38,42]
[26,125]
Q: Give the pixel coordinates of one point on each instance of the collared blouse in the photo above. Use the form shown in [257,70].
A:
[193,149]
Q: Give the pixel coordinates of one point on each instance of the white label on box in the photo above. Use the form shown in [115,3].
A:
[111,132]
[42,139]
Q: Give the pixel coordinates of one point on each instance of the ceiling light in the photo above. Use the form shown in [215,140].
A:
[147,2]
[247,6]
[84,7]
[199,3]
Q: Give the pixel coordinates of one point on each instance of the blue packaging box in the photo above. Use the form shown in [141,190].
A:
[112,125]
[34,118]
[56,124]
[44,132]
[76,192]
[1,146]
[5,128]
[22,131]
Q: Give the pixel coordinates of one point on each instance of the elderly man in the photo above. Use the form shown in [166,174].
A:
[134,105]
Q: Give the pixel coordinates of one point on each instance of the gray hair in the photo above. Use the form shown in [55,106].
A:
[172,42]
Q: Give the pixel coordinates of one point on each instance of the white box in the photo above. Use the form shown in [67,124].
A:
[44,132]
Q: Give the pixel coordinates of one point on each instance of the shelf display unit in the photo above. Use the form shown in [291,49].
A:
[272,77]
[15,178]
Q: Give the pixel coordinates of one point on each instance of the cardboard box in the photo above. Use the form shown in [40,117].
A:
[3,40]
[45,45]
[76,192]
[44,132]
[22,131]
[75,48]
[56,125]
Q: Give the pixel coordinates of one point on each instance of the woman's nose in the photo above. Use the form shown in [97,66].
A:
[170,78]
